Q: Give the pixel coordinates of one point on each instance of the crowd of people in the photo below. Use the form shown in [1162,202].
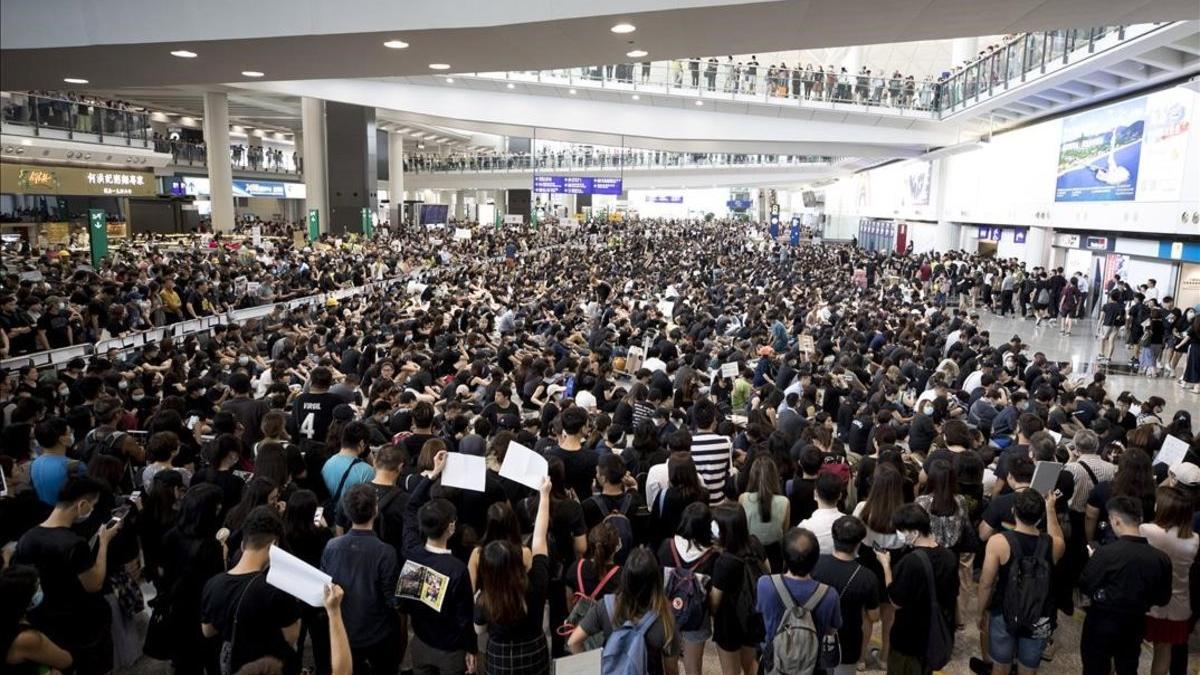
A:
[587,156]
[741,446]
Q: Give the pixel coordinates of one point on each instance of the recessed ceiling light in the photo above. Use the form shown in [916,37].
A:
[636,97]
[252,73]
[184,54]
[623,28]
[637,53]
[449,80]
[396,44]
[440,66]
[74,80]
[572,92]
[510,85]
[699,102]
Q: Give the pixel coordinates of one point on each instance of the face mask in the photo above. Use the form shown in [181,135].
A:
[243,360]
[201,391]
[138,397]
[927,410]
[910,537]
[35,315]
[84,516]
[122,385]
[64,392]
[36,601]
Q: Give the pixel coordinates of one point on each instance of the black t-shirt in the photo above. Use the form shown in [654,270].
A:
[580,466]
[529,626]
[586,569]
[57,326]
[313,413]
[802,498]
[858,591]
[261,610]
[68,614]
[910,593]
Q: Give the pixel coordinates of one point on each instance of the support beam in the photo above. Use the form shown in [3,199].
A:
[1190,46]
[1162,57]
[1037,102]
[1058,97]
[396,180]
[312,116]
[1103,80]
[1081,89]
[216,147]
[1137,72]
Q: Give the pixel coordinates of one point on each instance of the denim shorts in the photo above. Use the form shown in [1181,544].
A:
[1003,646]
[701,634]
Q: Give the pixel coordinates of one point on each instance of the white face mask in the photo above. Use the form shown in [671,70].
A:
[910,537]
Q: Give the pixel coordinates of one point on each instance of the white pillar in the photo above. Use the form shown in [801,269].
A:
[220,174]
[963,50]
[853,60]
[312,122]
[396,180]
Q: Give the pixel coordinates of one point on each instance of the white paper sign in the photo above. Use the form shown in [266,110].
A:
[462,233]
[524,466]
[296,577]
[667,308]
[467,472]
[1173,451]
[729,370]
[1055,435]
[1045,477]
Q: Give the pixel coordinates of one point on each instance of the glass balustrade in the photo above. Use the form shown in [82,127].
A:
[1017,60]
[78,120]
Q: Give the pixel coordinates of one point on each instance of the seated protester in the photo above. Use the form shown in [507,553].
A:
[639,598]
[252,617]
[73,612]
[367,569]
[1124,579]
[858,589]
[579,462]
[778,592]
[829,492]
[443,641]
[617,493]
[929,568]
[737,627]
[1025,641]
[691,549]
[511,601]
[23,648]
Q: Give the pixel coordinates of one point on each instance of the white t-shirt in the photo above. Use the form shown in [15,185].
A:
[821,524]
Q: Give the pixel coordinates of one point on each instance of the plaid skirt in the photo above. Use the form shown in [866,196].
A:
[527,658]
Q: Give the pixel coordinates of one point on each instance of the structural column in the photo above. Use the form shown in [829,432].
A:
[220,174]
[350,164]
[312,153]
[963,50]
[396,180]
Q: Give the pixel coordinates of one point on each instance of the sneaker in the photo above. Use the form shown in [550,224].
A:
[979,666]
[871,660]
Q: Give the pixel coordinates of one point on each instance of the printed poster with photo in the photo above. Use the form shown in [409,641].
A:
[1169,115]
[423,584]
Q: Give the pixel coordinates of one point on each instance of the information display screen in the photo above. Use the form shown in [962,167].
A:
[576,185]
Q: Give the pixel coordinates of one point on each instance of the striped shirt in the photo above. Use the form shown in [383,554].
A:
[713,455]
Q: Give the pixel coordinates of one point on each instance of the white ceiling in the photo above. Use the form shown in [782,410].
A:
[127,43]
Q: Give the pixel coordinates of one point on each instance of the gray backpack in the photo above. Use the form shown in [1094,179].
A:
[795,649]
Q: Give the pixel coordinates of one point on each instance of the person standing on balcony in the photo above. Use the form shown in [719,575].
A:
[710,73]
[694,68]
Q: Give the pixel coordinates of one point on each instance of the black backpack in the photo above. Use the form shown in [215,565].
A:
[1028,587]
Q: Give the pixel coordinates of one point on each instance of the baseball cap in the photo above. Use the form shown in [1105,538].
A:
[1186,473]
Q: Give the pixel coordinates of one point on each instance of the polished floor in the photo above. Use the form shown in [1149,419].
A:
[1081,349]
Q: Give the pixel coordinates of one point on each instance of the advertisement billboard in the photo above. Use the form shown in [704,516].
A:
[1099,153]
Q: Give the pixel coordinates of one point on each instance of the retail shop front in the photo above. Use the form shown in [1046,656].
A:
[1172,264]
[45,205]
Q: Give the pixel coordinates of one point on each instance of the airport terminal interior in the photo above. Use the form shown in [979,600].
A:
[657,338]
